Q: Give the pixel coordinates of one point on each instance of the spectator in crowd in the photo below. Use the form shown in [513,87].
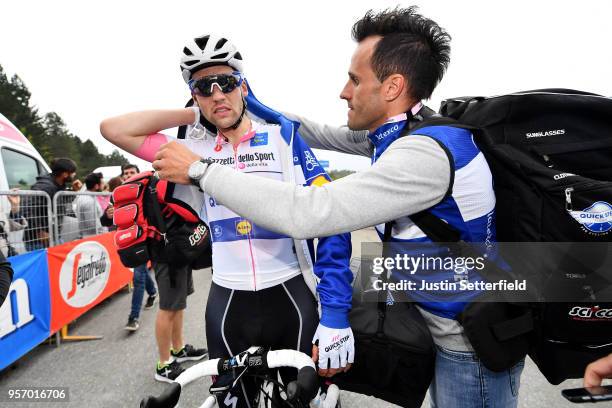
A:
[36,235]
[104,200]
[129,170]
[113,183]
[87,207]
[77,185]
[142,278]
[13,221]
[107,217]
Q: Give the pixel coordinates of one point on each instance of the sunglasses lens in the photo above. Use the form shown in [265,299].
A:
[204,86]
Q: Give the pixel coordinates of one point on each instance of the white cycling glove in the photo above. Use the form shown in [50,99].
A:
[336,346]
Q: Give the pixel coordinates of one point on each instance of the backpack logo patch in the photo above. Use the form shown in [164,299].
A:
[596,219]
[590,313]
[546,133]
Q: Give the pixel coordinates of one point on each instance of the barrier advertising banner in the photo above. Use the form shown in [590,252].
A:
[83,273]
[25,314]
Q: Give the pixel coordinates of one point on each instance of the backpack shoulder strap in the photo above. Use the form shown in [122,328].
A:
[435,229]
[432,226]
[150,197]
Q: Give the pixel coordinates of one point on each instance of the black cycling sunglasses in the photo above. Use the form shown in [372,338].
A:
[226,83]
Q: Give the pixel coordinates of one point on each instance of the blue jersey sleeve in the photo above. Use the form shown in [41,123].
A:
[333,253]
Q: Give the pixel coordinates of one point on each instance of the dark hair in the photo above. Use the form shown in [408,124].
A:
[114,183]
[92,179]
[124,167]
[411,45]
[62,164]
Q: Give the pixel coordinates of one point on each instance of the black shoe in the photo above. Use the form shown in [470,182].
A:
[189,353]
[150,302]
[168,372]
[132,325]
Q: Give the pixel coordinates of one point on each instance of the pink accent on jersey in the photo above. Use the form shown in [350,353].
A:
[150,146]
[221,140]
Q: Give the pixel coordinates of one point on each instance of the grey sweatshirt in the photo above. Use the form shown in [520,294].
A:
[412,174]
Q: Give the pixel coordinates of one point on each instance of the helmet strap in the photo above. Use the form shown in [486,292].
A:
[239,120]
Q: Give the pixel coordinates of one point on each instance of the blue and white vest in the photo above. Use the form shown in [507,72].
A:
[469,208]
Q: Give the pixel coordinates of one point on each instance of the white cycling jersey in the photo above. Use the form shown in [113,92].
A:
[246,256]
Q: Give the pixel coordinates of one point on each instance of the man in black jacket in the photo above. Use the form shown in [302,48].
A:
[36,235]
[6,276]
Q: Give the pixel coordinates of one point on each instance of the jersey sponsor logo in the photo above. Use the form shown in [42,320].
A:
[258,158]
[311,162]
[84,274]
[596,219]
[212,202]
[382,135]
[319,181]
[562,176]
[545,133]
[217,231]
[243,227]
[228,161]
[590,313]
[260,139]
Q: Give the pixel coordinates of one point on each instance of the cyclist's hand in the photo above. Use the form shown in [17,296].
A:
[336,350]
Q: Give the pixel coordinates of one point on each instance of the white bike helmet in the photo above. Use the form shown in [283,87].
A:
[207,51]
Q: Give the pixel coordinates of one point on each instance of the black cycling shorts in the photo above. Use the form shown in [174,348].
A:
[284,316]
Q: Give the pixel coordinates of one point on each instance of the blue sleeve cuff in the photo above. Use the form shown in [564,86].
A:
[334,318]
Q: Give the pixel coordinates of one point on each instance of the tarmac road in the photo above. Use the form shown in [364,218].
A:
[118,370]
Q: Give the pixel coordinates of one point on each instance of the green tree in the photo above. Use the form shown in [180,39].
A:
[336,174]
[49,133]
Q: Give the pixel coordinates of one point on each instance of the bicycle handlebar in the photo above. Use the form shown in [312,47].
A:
[305,388]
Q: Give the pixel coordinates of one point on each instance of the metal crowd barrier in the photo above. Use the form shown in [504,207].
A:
[26,221]
[77,214]
[30,220]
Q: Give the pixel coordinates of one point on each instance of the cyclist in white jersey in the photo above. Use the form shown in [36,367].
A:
[263,282]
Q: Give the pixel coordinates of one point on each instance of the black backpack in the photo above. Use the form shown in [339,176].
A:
[550,152]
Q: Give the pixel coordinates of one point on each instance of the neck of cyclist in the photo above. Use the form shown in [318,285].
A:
[233,136]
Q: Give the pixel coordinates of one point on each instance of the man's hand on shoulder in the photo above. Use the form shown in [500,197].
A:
[335,351]
[172,162]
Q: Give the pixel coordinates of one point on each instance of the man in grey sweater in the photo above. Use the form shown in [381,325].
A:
[87,207]
[400,58]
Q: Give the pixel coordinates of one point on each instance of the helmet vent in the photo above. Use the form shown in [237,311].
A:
[220,56]
[238,56]
[191,63]
[220,43]
[187,51]
[201,42]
